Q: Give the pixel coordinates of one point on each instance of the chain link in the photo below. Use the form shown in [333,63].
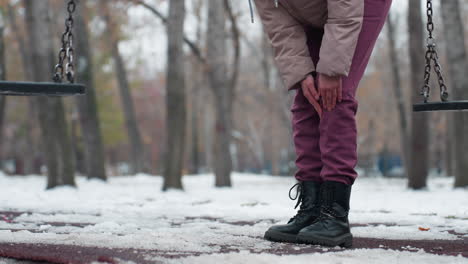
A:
[66,66]
[432,57]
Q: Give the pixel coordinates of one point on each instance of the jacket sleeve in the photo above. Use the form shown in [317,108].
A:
[341,35]
[289,42]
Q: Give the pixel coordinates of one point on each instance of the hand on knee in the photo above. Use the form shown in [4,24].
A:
[311,93]
[331,90]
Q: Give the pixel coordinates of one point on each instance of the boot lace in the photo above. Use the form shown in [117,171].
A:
[300,201]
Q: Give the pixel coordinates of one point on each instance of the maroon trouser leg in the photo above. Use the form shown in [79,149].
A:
[327,149]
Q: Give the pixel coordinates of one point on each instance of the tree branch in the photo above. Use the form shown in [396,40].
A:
[193,47]
[236,43]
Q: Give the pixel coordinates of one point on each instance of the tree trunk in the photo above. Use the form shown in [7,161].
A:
[273,99]
[195,153]
[2,77]
[223,92]
[36,22]
[64,144]
[87,105]
[399,94]
[458,69]
[59,157]
[198,72]
[175,98]
[233,78]
[29,157]
[450,145]
[80,164]
[63,140]
[418,165]
[208,132]
[138,162]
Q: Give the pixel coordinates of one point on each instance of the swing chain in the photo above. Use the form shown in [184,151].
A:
[432,57]
[67,53]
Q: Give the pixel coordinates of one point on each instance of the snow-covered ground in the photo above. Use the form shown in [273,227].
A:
[225,225]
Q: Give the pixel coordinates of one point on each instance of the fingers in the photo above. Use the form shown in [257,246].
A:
[313,102]
[307,94]
[309,84]
[314,91]
[323,89]
[307,91]
[331,91]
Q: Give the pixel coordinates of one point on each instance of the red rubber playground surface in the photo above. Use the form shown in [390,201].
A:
[82,254]
[78,254]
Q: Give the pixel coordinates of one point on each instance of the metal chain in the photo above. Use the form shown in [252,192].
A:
[432,57]
[65,66]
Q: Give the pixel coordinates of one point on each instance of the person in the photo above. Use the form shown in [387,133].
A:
[322,48]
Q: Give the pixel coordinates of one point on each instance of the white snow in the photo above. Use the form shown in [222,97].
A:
[133,212]
[358,256]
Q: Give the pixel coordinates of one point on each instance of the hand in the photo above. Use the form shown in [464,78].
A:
[310,92]
[331,89]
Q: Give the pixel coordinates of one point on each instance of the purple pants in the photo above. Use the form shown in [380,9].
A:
[327,148]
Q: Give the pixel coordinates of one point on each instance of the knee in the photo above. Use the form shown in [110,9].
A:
[348,105]
[344,110]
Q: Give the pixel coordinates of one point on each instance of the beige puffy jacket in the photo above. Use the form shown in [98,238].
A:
[285,25]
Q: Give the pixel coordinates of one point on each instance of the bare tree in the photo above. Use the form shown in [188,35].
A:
[419,154]
[223,94]
[198,79]
[399,94]
[175,97]
[87,105]
[192,46]
[58,118]
[59,157]
[2,77]
[235,36]
[450,145]
[25,55]
[138,155]
[458,68]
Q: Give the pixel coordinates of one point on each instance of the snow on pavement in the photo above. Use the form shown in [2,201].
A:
[358,256]
[132,212]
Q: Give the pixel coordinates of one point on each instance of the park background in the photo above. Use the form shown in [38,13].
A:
[134,120]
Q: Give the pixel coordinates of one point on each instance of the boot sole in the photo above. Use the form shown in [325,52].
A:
[345,241]
[276,236]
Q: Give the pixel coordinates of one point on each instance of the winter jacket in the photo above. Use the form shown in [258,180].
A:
[285,25]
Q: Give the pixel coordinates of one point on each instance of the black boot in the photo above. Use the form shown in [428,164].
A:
[332,226]
[308,194]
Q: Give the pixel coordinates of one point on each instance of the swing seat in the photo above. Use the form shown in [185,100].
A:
[441,106]
[41,89]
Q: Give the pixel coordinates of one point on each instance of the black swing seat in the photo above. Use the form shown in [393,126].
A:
[441,106]
[41,88]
